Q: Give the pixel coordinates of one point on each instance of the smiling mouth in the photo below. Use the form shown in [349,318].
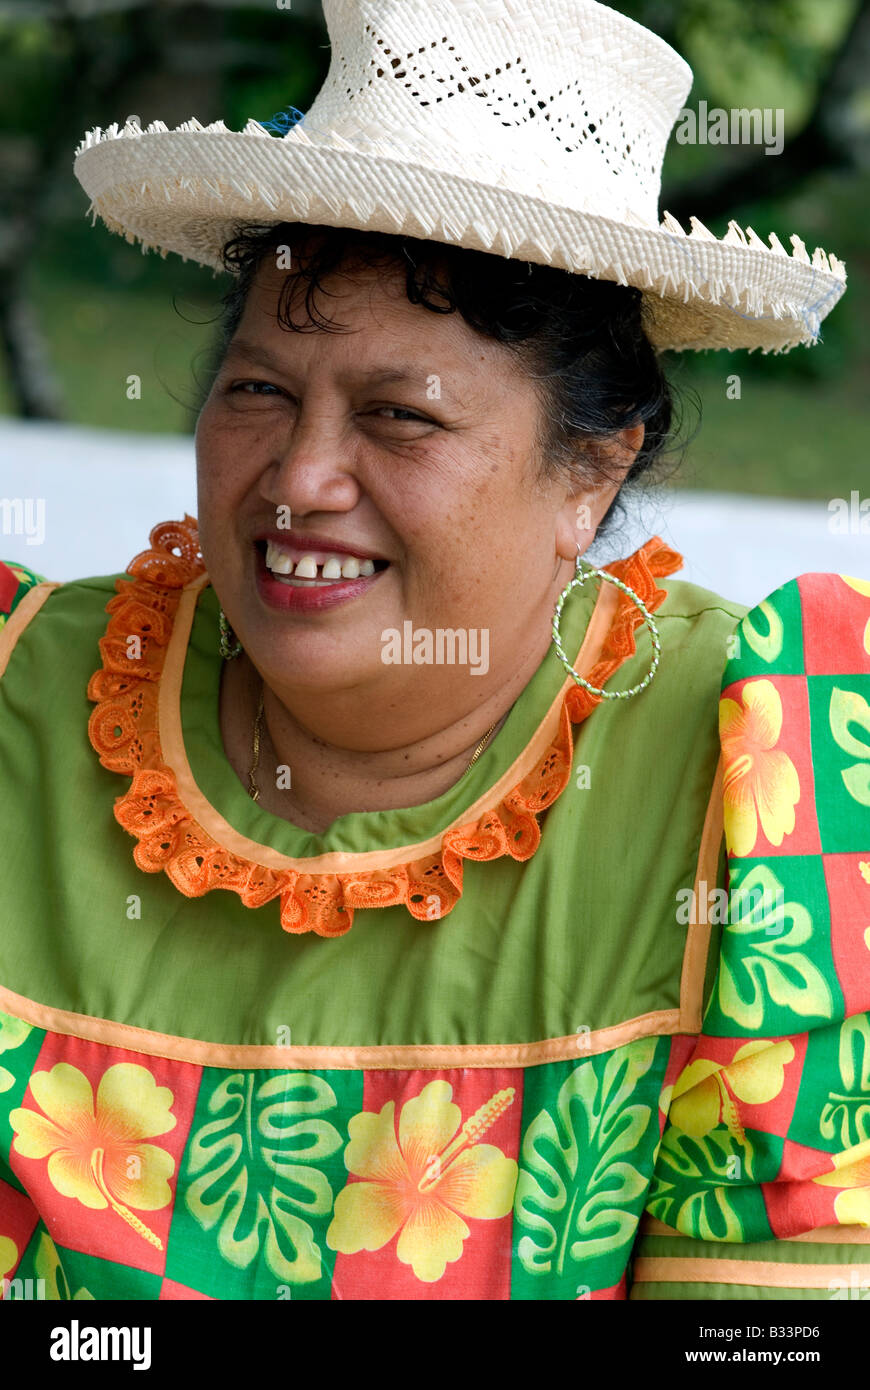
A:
[316,569]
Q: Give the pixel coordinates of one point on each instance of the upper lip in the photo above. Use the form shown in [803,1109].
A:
[295,540]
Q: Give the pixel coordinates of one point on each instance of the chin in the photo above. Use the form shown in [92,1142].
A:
[305,660]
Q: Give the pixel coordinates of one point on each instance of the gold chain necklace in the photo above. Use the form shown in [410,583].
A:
[253,789]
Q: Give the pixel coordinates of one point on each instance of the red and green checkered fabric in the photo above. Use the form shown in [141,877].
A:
[769,1125]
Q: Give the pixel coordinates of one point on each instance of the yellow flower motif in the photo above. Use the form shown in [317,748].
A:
[422,1182]
[852,1173]
[95,1150]
[861,586]
[8,1256]
[704,1094]
[760,783]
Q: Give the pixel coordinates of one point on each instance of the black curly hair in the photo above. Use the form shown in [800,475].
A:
[581,339]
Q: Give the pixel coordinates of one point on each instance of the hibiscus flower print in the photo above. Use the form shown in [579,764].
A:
[96,1148]
[761,782]
[852,1175]
[421,1179]
[707,1094]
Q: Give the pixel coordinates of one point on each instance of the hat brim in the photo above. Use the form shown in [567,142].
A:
[188,192]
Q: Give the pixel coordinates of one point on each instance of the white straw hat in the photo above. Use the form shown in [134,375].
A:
[534,131]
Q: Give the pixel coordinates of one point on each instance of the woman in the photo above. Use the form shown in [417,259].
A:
[534,1028]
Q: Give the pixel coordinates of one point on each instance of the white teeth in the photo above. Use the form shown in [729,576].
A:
[278,560]
[333,568]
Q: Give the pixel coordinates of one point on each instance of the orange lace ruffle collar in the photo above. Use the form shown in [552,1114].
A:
[124,730]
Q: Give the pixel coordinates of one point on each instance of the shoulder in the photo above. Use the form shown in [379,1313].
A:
[687,600]
[42,616]
[695,629]
[814,625]
[15,581]
[698,621]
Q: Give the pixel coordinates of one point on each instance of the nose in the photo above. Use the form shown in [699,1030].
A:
[312,469]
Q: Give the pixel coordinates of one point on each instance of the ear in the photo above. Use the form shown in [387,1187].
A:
[580,515]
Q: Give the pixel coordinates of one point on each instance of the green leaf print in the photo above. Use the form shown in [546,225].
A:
[49,1268]
[578,1190]
[760,961]
[254,1174]
[767,645]
[849,1110]
[848,707]
[708,1167]
[12,1034]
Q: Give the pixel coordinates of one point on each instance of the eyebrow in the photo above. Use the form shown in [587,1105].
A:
[378,376]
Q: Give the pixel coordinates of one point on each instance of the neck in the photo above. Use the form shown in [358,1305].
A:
[328,777]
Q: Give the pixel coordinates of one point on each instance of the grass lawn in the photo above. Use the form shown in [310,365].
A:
[780,440]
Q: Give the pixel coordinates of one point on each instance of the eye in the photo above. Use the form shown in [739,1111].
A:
[403,414]
[254,388]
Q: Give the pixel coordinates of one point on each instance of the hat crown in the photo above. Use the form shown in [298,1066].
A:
[533,132]
[567,99]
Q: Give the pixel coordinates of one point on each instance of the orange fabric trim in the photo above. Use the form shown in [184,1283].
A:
[698,935]
[758,1273]
[836,1235]
[25,610]
[404,1056]
[823,1235]
[134,715]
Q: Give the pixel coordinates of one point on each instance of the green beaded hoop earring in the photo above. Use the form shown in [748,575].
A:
[230,646]
[579,579]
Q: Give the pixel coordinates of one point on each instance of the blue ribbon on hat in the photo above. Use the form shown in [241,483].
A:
[283,121]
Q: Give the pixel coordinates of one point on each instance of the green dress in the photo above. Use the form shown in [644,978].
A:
[592,1024]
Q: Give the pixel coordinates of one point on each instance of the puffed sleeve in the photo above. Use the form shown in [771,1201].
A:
[761,1188]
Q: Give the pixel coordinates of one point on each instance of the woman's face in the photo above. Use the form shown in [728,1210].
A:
[409,441]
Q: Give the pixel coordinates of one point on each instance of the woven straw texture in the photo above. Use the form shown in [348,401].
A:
[532,132]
